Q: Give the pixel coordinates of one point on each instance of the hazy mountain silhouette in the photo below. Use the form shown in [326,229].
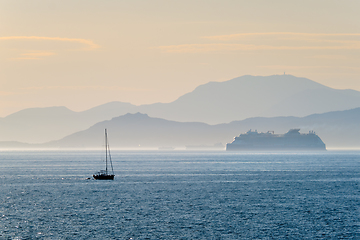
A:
[336,129]
[38,125]
[140,130]
[249,96]
[212,103]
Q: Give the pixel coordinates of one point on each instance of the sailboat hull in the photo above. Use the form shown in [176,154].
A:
[104,177]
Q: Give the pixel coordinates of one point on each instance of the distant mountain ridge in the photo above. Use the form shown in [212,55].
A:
[338,129]
[39,125]
[212,103]
[237,99]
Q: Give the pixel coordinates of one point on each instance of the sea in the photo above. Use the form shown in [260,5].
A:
[180,195]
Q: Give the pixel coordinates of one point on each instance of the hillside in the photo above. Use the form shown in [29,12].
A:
[211,103]
[39,125]
[140,130]
[338,129]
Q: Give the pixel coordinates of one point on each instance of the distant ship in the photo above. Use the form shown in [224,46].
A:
[290,141]
[216,146]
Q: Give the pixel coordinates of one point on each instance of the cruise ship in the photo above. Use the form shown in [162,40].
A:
[293,140]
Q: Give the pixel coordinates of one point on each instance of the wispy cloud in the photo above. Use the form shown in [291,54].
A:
[38,54]
[25,58]
[31,55]
[287,41]
[333,57]
[4,93]
[296,34]
[90,44]
[281,67]
[217,47]
[87,88]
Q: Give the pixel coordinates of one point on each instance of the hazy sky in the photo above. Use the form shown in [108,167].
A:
[83,53]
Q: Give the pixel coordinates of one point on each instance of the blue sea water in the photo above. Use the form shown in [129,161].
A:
[180,195]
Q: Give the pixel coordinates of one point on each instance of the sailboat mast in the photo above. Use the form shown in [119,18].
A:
[106,146]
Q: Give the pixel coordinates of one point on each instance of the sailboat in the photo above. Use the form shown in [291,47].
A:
[105,174]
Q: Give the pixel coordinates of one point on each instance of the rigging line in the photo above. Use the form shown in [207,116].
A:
[108,147]
[106,152]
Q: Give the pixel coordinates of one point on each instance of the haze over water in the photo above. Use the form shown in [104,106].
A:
[180,195]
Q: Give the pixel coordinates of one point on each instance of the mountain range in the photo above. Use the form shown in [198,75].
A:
[339,129]
[213,103]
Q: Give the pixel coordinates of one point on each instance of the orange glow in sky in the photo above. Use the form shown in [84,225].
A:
[80,54]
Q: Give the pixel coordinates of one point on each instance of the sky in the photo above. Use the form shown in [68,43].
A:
[83,53]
